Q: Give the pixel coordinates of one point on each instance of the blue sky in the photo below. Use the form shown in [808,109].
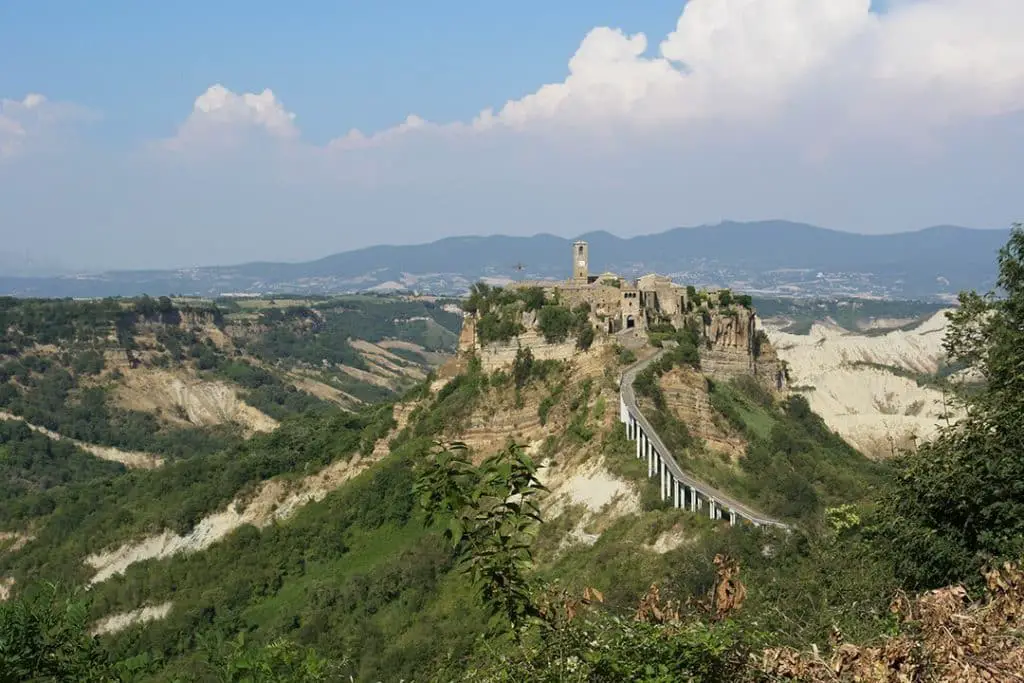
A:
[340,64]
[144,135]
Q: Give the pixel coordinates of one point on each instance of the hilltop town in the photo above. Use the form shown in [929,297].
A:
[610,309]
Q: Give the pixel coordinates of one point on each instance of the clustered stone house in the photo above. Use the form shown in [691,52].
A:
[619,304]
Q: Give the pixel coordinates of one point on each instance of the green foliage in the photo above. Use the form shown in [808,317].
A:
[760,339]
[959,500]
[522,367]
[31,462]
[492,522]
[794,466]
[82,517]
[579,410]
[498,311]
[555,323]
[54,398]
[267,392]
[585,337]
[44,637]
[281,661]
[450,408]
[621,460]
[356,576]
[549,401]
[533,298]
[603,647]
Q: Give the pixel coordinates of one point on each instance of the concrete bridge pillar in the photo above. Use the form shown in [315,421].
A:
[712,508]
[732,518]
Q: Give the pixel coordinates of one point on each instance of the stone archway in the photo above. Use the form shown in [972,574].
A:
[630,322]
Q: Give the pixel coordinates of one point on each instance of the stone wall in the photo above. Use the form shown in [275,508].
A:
[501,355]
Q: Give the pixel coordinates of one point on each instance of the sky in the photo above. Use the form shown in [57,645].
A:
[145,135]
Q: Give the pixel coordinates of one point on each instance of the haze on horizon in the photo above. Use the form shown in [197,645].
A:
[137,137]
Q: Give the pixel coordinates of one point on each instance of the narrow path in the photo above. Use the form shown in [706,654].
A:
[628,397]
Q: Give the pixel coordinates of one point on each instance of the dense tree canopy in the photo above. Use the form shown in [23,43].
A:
[959,503]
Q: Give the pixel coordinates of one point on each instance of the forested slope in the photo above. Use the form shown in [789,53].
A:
[538,550]
[186,377]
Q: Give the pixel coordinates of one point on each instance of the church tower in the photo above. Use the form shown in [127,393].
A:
[580,261]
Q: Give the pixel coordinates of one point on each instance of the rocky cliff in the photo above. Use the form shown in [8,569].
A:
[734,345]
[687,397]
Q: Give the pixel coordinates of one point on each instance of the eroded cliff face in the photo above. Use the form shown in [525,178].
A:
[864,385]
[498,355]
[686,393]
[734,346]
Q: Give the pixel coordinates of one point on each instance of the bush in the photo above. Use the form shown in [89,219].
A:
[555,322]
[585,339]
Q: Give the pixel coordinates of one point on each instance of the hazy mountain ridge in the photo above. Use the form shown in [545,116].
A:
[768,257]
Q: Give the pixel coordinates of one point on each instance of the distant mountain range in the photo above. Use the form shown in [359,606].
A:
[767,257]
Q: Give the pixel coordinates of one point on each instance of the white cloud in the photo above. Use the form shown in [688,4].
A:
[737,62]
[813,110]
[748,60]
[356,139]
[25,122]
[221,118]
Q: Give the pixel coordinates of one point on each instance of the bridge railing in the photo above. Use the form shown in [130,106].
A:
[629,410]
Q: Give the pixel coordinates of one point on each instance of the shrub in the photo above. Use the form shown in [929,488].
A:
[555,322]
[585,338]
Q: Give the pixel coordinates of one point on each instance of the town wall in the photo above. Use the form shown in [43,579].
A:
[501,355]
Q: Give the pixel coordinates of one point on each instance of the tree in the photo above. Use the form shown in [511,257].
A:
[959,501]
[492,518]
[555,323]
[281,661]
[533,297]
[44,636]
[522,367]
[585,337]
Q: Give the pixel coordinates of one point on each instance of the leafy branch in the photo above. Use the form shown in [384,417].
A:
[492,518]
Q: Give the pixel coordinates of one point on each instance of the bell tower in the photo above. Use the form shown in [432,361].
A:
[580,262]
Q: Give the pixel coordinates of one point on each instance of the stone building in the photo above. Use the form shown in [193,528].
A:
[617,303]
[619,306]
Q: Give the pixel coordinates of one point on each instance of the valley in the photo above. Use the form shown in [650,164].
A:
[883,389]
[275,507]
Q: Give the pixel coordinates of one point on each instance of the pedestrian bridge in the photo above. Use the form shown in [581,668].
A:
[685,491]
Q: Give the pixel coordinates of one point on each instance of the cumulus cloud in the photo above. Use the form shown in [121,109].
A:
[748,60]
[739,62]
[221,118]
[814,110]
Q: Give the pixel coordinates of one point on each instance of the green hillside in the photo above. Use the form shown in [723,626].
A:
[496,526]
[109,372]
